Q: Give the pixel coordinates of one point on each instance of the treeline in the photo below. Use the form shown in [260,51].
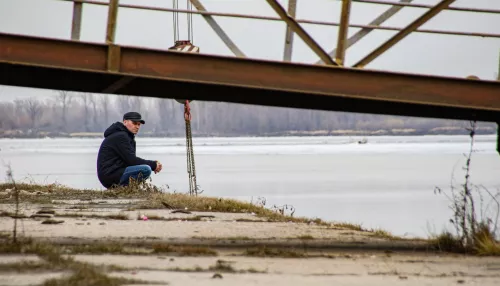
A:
[68,113]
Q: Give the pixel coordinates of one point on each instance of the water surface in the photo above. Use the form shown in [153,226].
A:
[387,183]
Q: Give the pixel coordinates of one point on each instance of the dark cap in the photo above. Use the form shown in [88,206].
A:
[134,116]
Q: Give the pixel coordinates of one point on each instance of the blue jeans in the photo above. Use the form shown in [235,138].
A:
[139,173]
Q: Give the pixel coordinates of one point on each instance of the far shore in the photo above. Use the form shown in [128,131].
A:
[20,134]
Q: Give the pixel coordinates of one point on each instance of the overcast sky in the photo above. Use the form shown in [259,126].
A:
[419,53]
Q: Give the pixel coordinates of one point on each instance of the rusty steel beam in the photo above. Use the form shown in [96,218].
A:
[403,33]
[343,29]
[290,21]
[111,25]
[114,58]
[367,30]
[42,63]
[76,24]
[287,54]
[218,30]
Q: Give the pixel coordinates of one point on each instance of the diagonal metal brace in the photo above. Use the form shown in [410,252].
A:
[290,21]
[443,4]
[218,30]
[287,54]
[365,31]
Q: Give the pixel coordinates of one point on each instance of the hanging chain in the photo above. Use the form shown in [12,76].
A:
[193,188]
[181,45]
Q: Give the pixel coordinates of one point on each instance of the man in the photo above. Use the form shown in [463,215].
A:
[116,161]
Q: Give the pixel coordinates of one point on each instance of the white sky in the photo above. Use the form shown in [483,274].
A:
[419,53]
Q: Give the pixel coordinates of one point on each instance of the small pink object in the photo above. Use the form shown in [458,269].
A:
[144,218]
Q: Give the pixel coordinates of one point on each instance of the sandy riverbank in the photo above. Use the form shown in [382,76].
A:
[181,246]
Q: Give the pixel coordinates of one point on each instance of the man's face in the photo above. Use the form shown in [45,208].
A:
[132,126]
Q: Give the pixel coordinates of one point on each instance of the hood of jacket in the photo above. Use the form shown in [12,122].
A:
[117,127]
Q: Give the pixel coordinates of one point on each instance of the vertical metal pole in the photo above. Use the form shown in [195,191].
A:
[343,29]
[76,25]
[287,55]
[498,75]
[498,138]
[111,27]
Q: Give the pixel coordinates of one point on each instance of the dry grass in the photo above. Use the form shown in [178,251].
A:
[96,216]
[180,269]
[98,248]
[222,266]
[83,274]
[27,246]
[350,226]
[446,242]
[274,252]
[156,217]
[486,246]
[238,238]
[12,215]
[117,216]
[305,237]
[6,213]
[28,266]
[45,193]
[156,198]
[5,234]
[383,234]
[88,275]
[249,220]
[183,250]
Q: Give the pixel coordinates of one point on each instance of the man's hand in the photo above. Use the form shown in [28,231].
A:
[158,167]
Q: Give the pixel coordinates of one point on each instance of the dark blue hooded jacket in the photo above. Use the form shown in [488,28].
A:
[116,153]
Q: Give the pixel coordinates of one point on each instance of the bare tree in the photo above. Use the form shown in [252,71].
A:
[93,102]
[65,100]
[137,104]
[165,113]
[19,113]
[86,109]
[7,116]
[123,103]
[34,109]
[104,100]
